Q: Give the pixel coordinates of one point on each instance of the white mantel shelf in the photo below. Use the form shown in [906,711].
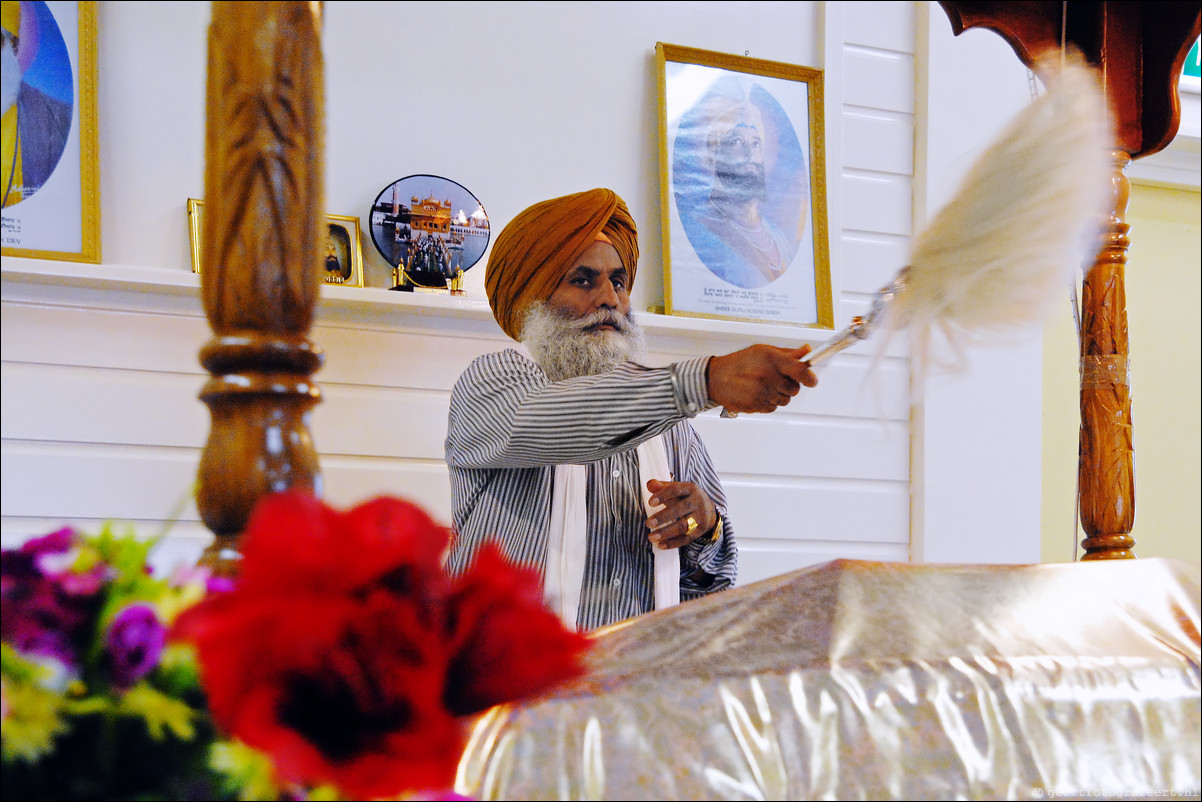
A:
[136,287]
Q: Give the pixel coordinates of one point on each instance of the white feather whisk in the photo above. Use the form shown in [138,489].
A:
[1026,215]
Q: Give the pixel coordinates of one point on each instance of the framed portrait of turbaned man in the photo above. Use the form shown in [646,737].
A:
[743,189]
[49,157]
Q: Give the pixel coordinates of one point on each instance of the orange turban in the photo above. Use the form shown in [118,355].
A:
[533,253]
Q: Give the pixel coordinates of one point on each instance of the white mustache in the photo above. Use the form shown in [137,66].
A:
[603,317]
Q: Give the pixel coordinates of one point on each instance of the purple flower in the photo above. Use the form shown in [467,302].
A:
[42,621]
[53,557]
[59,542]
[135,640]
[17,570]
[23,565]
[42,614]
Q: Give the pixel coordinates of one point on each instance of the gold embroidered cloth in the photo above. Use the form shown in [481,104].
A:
[864,680]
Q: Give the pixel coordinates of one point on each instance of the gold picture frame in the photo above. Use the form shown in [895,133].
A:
[51,202]
[344,251]
[743,189]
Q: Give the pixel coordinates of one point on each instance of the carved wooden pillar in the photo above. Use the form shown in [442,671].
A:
[261,260]
[1139,49]
[1106,468]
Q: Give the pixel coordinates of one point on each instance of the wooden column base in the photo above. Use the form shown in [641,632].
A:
[260,398]
[1108,547]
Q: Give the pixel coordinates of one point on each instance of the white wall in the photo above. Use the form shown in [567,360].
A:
[977,450]
[100,418]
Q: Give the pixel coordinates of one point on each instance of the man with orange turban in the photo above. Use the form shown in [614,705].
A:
[573,457]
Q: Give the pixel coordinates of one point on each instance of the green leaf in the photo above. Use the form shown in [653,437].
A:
[160,711]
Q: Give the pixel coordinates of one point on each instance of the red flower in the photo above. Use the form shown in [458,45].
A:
[346,653]
[508,645]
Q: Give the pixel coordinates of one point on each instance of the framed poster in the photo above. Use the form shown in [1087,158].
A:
[743,189]
[50,170]
[343,252]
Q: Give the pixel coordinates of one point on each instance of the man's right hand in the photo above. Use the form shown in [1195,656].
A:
[761,378]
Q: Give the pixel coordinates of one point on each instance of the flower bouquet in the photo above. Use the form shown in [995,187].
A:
[96,702]
[343,661]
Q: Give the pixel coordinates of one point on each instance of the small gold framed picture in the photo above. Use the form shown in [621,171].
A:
[342,256]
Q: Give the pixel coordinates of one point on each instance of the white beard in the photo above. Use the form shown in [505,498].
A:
[10,78]
[564,350]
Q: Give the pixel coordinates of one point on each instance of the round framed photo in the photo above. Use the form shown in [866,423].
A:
[431,230]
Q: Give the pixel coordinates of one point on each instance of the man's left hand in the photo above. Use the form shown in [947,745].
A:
[687,514]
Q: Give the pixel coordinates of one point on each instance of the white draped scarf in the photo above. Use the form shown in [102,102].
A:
[567,546]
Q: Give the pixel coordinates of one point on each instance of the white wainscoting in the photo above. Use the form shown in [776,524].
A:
[101,420]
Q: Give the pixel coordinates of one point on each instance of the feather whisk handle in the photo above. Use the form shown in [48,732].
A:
[882,312]
[860,328]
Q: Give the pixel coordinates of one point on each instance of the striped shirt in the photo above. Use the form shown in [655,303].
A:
[509,427]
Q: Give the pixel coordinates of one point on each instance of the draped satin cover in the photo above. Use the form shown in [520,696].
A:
[862,680]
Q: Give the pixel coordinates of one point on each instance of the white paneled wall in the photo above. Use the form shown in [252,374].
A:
[977,458]
[840,456]
[101,418]
[99,363]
